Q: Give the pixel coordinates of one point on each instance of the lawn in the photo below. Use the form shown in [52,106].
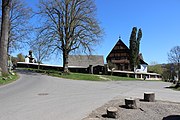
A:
[78,76]
[91,77]
[82,76]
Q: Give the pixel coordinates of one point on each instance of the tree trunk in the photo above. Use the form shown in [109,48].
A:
[149,96]
[112,112]
[4,36]
[38,65]
[65,61]
[131,103]
[178,76]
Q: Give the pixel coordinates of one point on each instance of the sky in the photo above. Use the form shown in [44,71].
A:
[158,19]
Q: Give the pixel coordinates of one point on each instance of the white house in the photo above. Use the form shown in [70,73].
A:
[142,67]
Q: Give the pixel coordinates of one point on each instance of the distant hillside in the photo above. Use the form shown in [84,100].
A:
[168,71]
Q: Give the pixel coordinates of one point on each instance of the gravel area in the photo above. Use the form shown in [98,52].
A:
[159,110]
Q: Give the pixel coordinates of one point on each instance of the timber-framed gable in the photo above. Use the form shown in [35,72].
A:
[119,56]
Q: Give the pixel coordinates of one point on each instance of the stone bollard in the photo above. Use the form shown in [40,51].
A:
[149,96]
[112,112]
[131,103]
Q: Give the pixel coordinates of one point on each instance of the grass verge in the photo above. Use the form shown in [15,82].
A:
[8,79]
[178,89]
[174,87]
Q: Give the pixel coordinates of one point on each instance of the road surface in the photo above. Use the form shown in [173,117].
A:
[41,97]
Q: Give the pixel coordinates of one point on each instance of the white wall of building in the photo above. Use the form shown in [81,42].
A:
[143,68]
[26,60]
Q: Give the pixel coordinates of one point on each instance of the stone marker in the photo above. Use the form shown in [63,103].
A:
[149,96]
[131,103]
[112,112]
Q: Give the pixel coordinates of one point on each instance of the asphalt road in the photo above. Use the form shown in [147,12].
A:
[41,97]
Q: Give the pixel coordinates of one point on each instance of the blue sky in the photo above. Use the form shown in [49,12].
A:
[158,19]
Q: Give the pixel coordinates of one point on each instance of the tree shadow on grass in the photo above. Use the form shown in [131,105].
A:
[172,117]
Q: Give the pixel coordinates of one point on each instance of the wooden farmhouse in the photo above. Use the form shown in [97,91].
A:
[120,57]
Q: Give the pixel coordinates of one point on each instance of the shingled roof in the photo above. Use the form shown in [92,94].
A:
[85,60]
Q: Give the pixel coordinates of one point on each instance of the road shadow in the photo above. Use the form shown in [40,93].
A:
[170,87]
[172,117]
[26,72]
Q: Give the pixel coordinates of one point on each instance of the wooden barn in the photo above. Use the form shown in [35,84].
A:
[93,64]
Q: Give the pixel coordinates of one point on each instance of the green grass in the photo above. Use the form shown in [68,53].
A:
[90,77]
[174,87]
[178,89]
[8,79]
[78,76]
[82,76]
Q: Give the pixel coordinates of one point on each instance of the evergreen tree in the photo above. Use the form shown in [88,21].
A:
[138,45]
[134,47]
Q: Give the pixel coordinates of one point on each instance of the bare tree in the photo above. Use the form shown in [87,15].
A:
[6,4]
[174,57]
[41,49]
[112,67]
[70,25]
[19,26]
